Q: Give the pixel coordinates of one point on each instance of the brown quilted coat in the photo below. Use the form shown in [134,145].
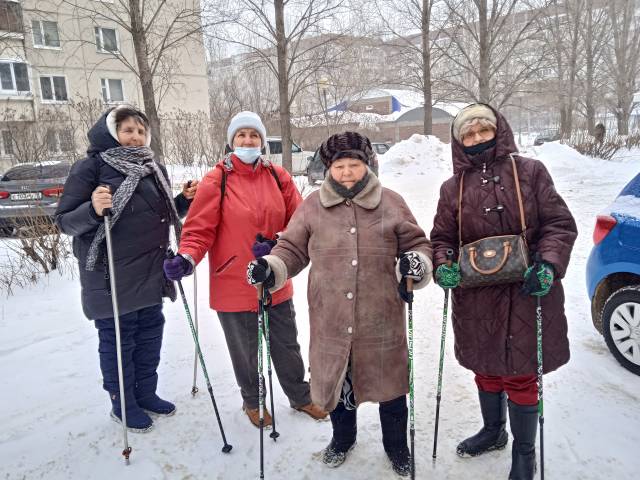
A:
[354,306]
[495,327]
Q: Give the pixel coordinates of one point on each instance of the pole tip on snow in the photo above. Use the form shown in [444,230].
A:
[227,448]
[125,453]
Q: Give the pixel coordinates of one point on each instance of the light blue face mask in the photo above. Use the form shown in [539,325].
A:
[247,154]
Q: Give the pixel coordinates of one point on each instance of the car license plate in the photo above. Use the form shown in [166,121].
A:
[26,196]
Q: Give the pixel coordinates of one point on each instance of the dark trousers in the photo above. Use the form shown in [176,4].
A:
[141,340]
[241,332]
[393,420]
[521,389]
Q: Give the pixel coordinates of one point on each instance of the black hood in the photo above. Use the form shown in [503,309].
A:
[99,137]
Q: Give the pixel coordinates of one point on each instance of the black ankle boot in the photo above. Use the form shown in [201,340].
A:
[393,420]
[493,435]
[523,420]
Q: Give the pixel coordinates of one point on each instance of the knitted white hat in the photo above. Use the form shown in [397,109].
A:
[470,113]
[246,119]
[113,128]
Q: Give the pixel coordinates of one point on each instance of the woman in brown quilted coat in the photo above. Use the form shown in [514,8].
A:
[495,326]
[362,242]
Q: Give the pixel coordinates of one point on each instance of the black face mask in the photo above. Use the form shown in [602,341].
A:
[480,147]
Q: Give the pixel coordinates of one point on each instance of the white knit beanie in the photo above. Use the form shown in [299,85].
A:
[470,113]
[246,119]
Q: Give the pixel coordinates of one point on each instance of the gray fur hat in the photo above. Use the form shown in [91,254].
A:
[470,113]
[347,144]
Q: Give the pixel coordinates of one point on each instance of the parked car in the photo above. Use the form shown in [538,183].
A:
[29,194]
[299,157]
[380,148]
[546,136]
[613,276]
[316,170]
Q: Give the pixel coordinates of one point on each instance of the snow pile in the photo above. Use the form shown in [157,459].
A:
[419,155]
[627,206]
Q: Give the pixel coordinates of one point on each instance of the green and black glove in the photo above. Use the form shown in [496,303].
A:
[538,279]
[448,276]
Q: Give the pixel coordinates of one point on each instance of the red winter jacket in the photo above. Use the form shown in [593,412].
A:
[253,204]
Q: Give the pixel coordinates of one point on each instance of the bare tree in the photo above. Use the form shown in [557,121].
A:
[159,30]
[417,51]
[596,34]
[623,62]
[563,23]
[292,38]
[494,48]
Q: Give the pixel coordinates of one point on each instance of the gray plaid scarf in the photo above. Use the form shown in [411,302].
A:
[134,163]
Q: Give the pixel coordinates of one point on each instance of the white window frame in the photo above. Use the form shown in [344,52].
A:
[104,84]
[41,27]
[15,92]
[99,48]
[53,90]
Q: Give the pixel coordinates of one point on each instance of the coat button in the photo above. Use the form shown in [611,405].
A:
[162,220]
[349,295]
[349,330]
[348,203]
[354,262]
[353,230]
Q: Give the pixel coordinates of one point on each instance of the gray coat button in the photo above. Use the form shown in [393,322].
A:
[349,295]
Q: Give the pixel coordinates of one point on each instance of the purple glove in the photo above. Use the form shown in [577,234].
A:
[177,267]
[262,246]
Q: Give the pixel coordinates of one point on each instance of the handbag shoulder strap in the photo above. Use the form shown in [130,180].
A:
[460,210]
[523,224]
[519,193]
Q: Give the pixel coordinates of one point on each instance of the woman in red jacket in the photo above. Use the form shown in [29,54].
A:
[245,195]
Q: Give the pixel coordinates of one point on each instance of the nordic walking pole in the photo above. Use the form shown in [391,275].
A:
[412,428]
[227,447]
[116,318]
[443,334]
[260,377]
[265,315]
[540,370]
[194,388]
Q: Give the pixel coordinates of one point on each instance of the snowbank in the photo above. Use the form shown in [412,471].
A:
[419,155]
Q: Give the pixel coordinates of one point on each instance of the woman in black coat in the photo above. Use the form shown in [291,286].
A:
[119,173]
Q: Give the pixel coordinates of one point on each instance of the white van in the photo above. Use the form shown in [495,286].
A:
[299,159]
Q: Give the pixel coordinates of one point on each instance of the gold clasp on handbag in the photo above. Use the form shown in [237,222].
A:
[505,256]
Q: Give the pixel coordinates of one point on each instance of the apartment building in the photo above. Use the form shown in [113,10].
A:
[65,61]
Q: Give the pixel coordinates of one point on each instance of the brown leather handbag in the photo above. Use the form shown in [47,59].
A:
[493,260]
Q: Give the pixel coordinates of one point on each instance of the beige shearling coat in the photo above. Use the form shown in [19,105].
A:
[354,306]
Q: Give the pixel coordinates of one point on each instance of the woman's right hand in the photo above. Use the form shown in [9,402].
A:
[101,199]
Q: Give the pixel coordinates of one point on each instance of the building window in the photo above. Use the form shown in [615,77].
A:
[11,16]
[14,77]
[106,39]
[54,88]
[7,143]
[59,141]
[45,33]
[112,90]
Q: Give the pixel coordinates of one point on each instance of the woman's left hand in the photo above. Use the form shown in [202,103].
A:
[189,189]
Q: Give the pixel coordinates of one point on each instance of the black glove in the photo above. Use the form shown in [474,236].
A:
[402,290]
[259,271]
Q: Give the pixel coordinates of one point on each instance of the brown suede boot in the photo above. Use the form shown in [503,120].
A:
[313,411]
[254,416]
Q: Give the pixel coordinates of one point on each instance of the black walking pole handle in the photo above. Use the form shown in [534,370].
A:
[449,256]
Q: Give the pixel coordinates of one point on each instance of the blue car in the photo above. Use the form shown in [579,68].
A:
[613,276]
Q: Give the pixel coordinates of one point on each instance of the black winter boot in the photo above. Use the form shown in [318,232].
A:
[493,435]
[393,419]
[523,420]
[345,428]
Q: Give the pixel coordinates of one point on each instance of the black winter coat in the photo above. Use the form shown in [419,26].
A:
[140,237]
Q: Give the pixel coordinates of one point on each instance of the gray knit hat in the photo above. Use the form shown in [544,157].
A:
[470,113]
[347,144]
[246,119]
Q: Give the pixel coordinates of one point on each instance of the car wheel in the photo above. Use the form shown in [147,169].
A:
[621,326]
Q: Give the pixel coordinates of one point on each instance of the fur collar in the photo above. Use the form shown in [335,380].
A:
[368,198]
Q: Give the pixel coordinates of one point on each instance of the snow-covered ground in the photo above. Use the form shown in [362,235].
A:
[54,413]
